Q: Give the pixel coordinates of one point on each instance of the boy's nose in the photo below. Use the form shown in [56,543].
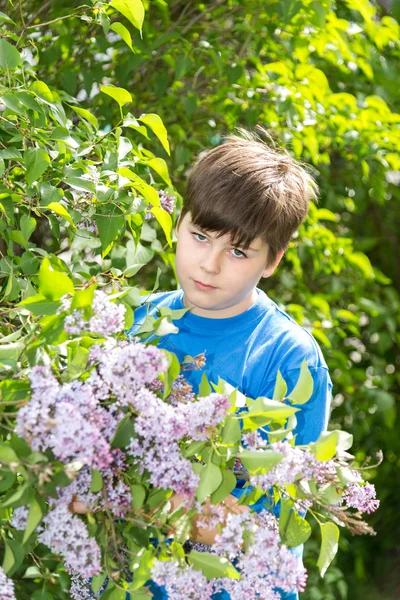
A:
[210,263]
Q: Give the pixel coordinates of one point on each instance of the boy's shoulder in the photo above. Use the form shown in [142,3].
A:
[292,342]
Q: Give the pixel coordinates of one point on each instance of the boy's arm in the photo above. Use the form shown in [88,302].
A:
[199,534]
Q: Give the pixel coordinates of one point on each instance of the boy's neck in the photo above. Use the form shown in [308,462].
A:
[223,313]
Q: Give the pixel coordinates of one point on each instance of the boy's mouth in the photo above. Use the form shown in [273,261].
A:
[203,286]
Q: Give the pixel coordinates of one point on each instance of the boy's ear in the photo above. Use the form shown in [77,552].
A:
[272,266]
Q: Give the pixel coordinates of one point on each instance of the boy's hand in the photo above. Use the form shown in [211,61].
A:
[207,536]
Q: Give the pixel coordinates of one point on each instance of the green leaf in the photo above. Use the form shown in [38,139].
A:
[160,167]
[329,546]
[42,90]
[83,299]
[138,496]
[210,480]
[258,463]
[13,556]
[58,208]
[35,515]
[10,58]
[280,389]
[165,221]
[154,122]
[325,447]
[110,226]
[123,32]
[7,454]
[231,432]
[53,284]
[40,305]
[7,479]
[121,95]
[303,389]
[293,529]
[36,161]
[263,410]
[80,184]
[133,10]
[97,582]
[228,484]
[212,566]
[125,432]
[86,115]
[27,225]
[97,481]
[2,166]
[146,190]
[6,18]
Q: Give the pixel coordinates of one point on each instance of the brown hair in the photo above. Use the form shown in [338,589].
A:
[249,189]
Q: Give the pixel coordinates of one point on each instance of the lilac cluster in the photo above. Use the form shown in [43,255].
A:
[361,497]
[69,420]
[108,317]
[266,565]
[157,447]
[6,587]
[297,464]
[20,518]
[80,588]
[64,533]
[206,414]
[182,582]
[124,368]
[167,203]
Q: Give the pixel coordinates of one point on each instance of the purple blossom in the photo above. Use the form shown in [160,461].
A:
[206,413]
[20,517]
[266,565]
[126,367]
[108,317]
[68,420]
[65,534]
[34,419]
[361,497]
[182,583]
[297,464]
[6,587]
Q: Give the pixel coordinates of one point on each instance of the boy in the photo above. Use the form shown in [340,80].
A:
[244,201]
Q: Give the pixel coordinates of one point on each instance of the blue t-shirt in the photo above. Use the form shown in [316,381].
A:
[246,351]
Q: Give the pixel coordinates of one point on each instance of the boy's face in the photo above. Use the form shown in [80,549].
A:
[233,273]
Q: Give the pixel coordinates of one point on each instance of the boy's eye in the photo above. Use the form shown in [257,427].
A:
[242,254]
[200,236]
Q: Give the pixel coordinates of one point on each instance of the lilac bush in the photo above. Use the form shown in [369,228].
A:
[112,430]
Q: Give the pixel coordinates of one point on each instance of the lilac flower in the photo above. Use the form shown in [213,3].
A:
[20,518]
[75,324]
[108,318]
[266,565]
[297,464]
[6,587]
[206,413]
[69,420]
[182,583]
[126,367]
[34,419]
[65,534]
[361,497]
[80,588]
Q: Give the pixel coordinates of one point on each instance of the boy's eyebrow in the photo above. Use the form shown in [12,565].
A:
[204,231]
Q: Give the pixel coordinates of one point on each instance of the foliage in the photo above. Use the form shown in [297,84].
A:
[320,75]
